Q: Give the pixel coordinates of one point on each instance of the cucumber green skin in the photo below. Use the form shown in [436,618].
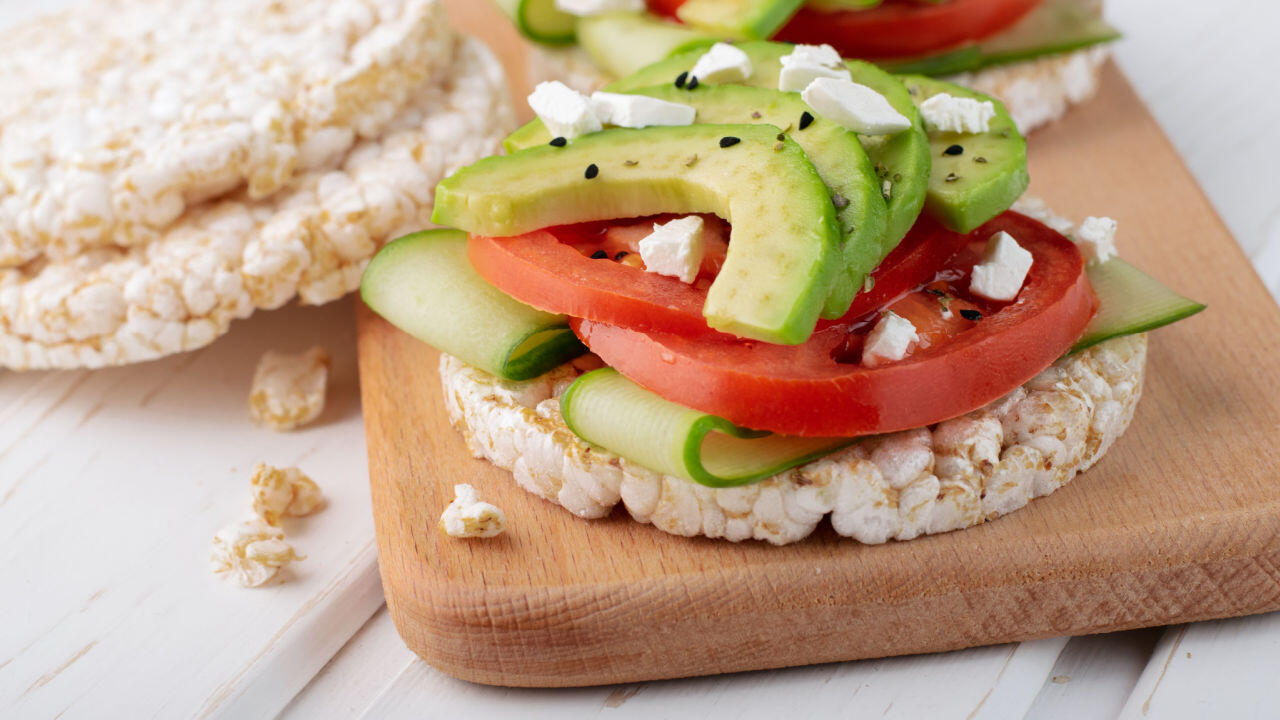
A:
[621,43]
[835,152]
[904,155]
[980,191]
[608,410]
[738,19]
[539,20]
[1130,302]
[768,289]
[424,284]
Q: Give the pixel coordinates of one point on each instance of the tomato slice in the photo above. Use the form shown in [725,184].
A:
[897,28]
[806,389]
[593,271]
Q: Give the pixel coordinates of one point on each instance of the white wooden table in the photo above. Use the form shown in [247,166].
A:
[112,483]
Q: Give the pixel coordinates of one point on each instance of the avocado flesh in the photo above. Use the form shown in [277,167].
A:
[784,248]
[901,160]
[643,38]
[982,180]
[738,19]
[834,151]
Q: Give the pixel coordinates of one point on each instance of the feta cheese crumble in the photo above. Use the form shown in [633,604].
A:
[637,111]
[587,8]
[948,113]
[807,63]
[566,112]
[674,248]
[1096,239]
[469,516]
[284,492]
[1003,269]
[889,340]
[723,63]
[854,107]
[288,389]
[250,552]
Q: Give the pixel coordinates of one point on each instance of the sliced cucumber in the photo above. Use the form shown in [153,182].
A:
[621,43]
[1130,301]
[738,19]
[424,284]
[540,20]
[835,153]
[989,172]
[901,160]
[605,408]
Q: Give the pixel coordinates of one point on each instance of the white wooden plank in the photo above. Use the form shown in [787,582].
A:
[1094,676]
[356,675]
[992,682]
[1220,669]
[112,484]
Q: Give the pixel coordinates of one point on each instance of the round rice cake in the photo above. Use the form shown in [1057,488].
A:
[223,259]
[956,474]
[118,115]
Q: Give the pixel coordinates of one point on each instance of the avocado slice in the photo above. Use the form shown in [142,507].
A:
[901,160]
[540,20]
[834,151]
[784,248]
[738,19]
[975,176]
[621,43]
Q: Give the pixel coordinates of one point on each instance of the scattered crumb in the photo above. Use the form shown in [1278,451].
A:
[251,551]
[288,389]
[1188,654]
[1062,679]
[469,516]
[279,493]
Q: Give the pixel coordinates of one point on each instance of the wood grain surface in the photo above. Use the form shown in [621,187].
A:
[1179,522]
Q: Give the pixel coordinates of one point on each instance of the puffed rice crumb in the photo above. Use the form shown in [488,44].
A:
[250,552]
[288,389]
[286,492]
[468,516]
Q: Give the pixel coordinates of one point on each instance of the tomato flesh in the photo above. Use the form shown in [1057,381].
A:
[896,28]
[815,389]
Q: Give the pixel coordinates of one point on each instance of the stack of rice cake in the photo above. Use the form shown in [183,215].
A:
[168,166]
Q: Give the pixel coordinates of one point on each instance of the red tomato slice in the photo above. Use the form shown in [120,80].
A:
[593,271]
[804,390]
[897,28]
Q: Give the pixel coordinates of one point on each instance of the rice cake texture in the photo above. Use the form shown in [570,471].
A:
[223,259]
[119,115]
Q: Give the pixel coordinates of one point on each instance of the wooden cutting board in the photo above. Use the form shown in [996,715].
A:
[1179,522]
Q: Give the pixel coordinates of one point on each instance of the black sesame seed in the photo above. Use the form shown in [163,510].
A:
[599,255]
[782,137]
[729,141]
[681,79]
[592,171]
[952,177]
[558,142]
[806,119]
[954,150]
[971,315]
[693,82]
[621,254]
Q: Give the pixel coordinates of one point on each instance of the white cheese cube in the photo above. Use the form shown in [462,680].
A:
[1096,239]
[723,63]
[674,248]
[637,111]
[889,340]
[587,8]
[949,113]
[566,112]
[854,107]
[807,63]
[1003,269]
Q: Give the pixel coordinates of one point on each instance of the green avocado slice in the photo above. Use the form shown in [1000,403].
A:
[784,248]
[834,151]
[901,160]
[540,20]
[738,19]
[623,42]
[975,176]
